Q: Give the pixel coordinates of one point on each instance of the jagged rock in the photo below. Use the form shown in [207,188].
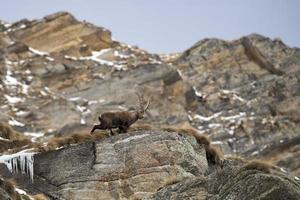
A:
[150,165]
[133,165]
[251,87]
[65,33]
[236,182]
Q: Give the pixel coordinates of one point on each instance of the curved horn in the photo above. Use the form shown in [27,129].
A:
[148,103]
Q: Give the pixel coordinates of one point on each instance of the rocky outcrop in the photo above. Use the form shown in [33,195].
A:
[127,166]
[65,33]
[152,165]
[248,95]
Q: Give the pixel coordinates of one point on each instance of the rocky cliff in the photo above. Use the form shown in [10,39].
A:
[58,74]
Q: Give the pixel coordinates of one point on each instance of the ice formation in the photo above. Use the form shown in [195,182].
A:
[21,162]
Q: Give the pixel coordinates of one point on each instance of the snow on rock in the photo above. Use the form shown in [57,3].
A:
[4,139]
[37,52]
[122,56]
[34,135]
[13,100]
[21,162]
[198,93]
[24,193]
[14,122]
[206,119]
[70,57]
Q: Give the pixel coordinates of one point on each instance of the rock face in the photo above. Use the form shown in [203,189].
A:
[65,33]
[127,166]
[249,91]
[243,94]
[151,165]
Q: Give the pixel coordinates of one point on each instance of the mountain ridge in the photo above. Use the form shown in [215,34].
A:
[59,74]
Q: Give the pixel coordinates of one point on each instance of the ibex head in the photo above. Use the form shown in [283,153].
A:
[141,109]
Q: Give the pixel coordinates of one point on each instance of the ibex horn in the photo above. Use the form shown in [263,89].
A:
[148,103]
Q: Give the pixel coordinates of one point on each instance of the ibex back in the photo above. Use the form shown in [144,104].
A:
[122,119]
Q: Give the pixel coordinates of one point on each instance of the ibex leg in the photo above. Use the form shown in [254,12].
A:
[123,129]
[96,127]
[111,132]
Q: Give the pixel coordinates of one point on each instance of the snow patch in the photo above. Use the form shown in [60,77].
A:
[13,100]
[37,52]
[254,153]
[22,113]
[14,122]
[197,93]
[234,117]
[216,142]
[122,56]
[50,58]
[34,134]
[75,99]
[70,57]
[4,139]
[206,119]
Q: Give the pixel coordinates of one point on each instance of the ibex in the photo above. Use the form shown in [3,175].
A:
[122,119]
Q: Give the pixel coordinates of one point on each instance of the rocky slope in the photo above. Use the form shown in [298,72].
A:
[58,74]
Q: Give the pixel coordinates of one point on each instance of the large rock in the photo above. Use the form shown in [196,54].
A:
[133,165]
[65,33]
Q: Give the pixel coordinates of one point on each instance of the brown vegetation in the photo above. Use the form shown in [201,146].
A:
[9,187]
[260,166]
[40,197]
[14,144]
[7,132]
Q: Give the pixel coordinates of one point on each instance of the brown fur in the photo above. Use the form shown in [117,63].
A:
[122,119]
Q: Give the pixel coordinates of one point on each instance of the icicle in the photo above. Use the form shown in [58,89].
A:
[21,162]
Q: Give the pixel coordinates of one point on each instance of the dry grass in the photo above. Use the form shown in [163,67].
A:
[40,197]
[141,127]
[78,138]
[260,166]
[7,132]
[14,144]
[236,158]
[9,187]
[171,181]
